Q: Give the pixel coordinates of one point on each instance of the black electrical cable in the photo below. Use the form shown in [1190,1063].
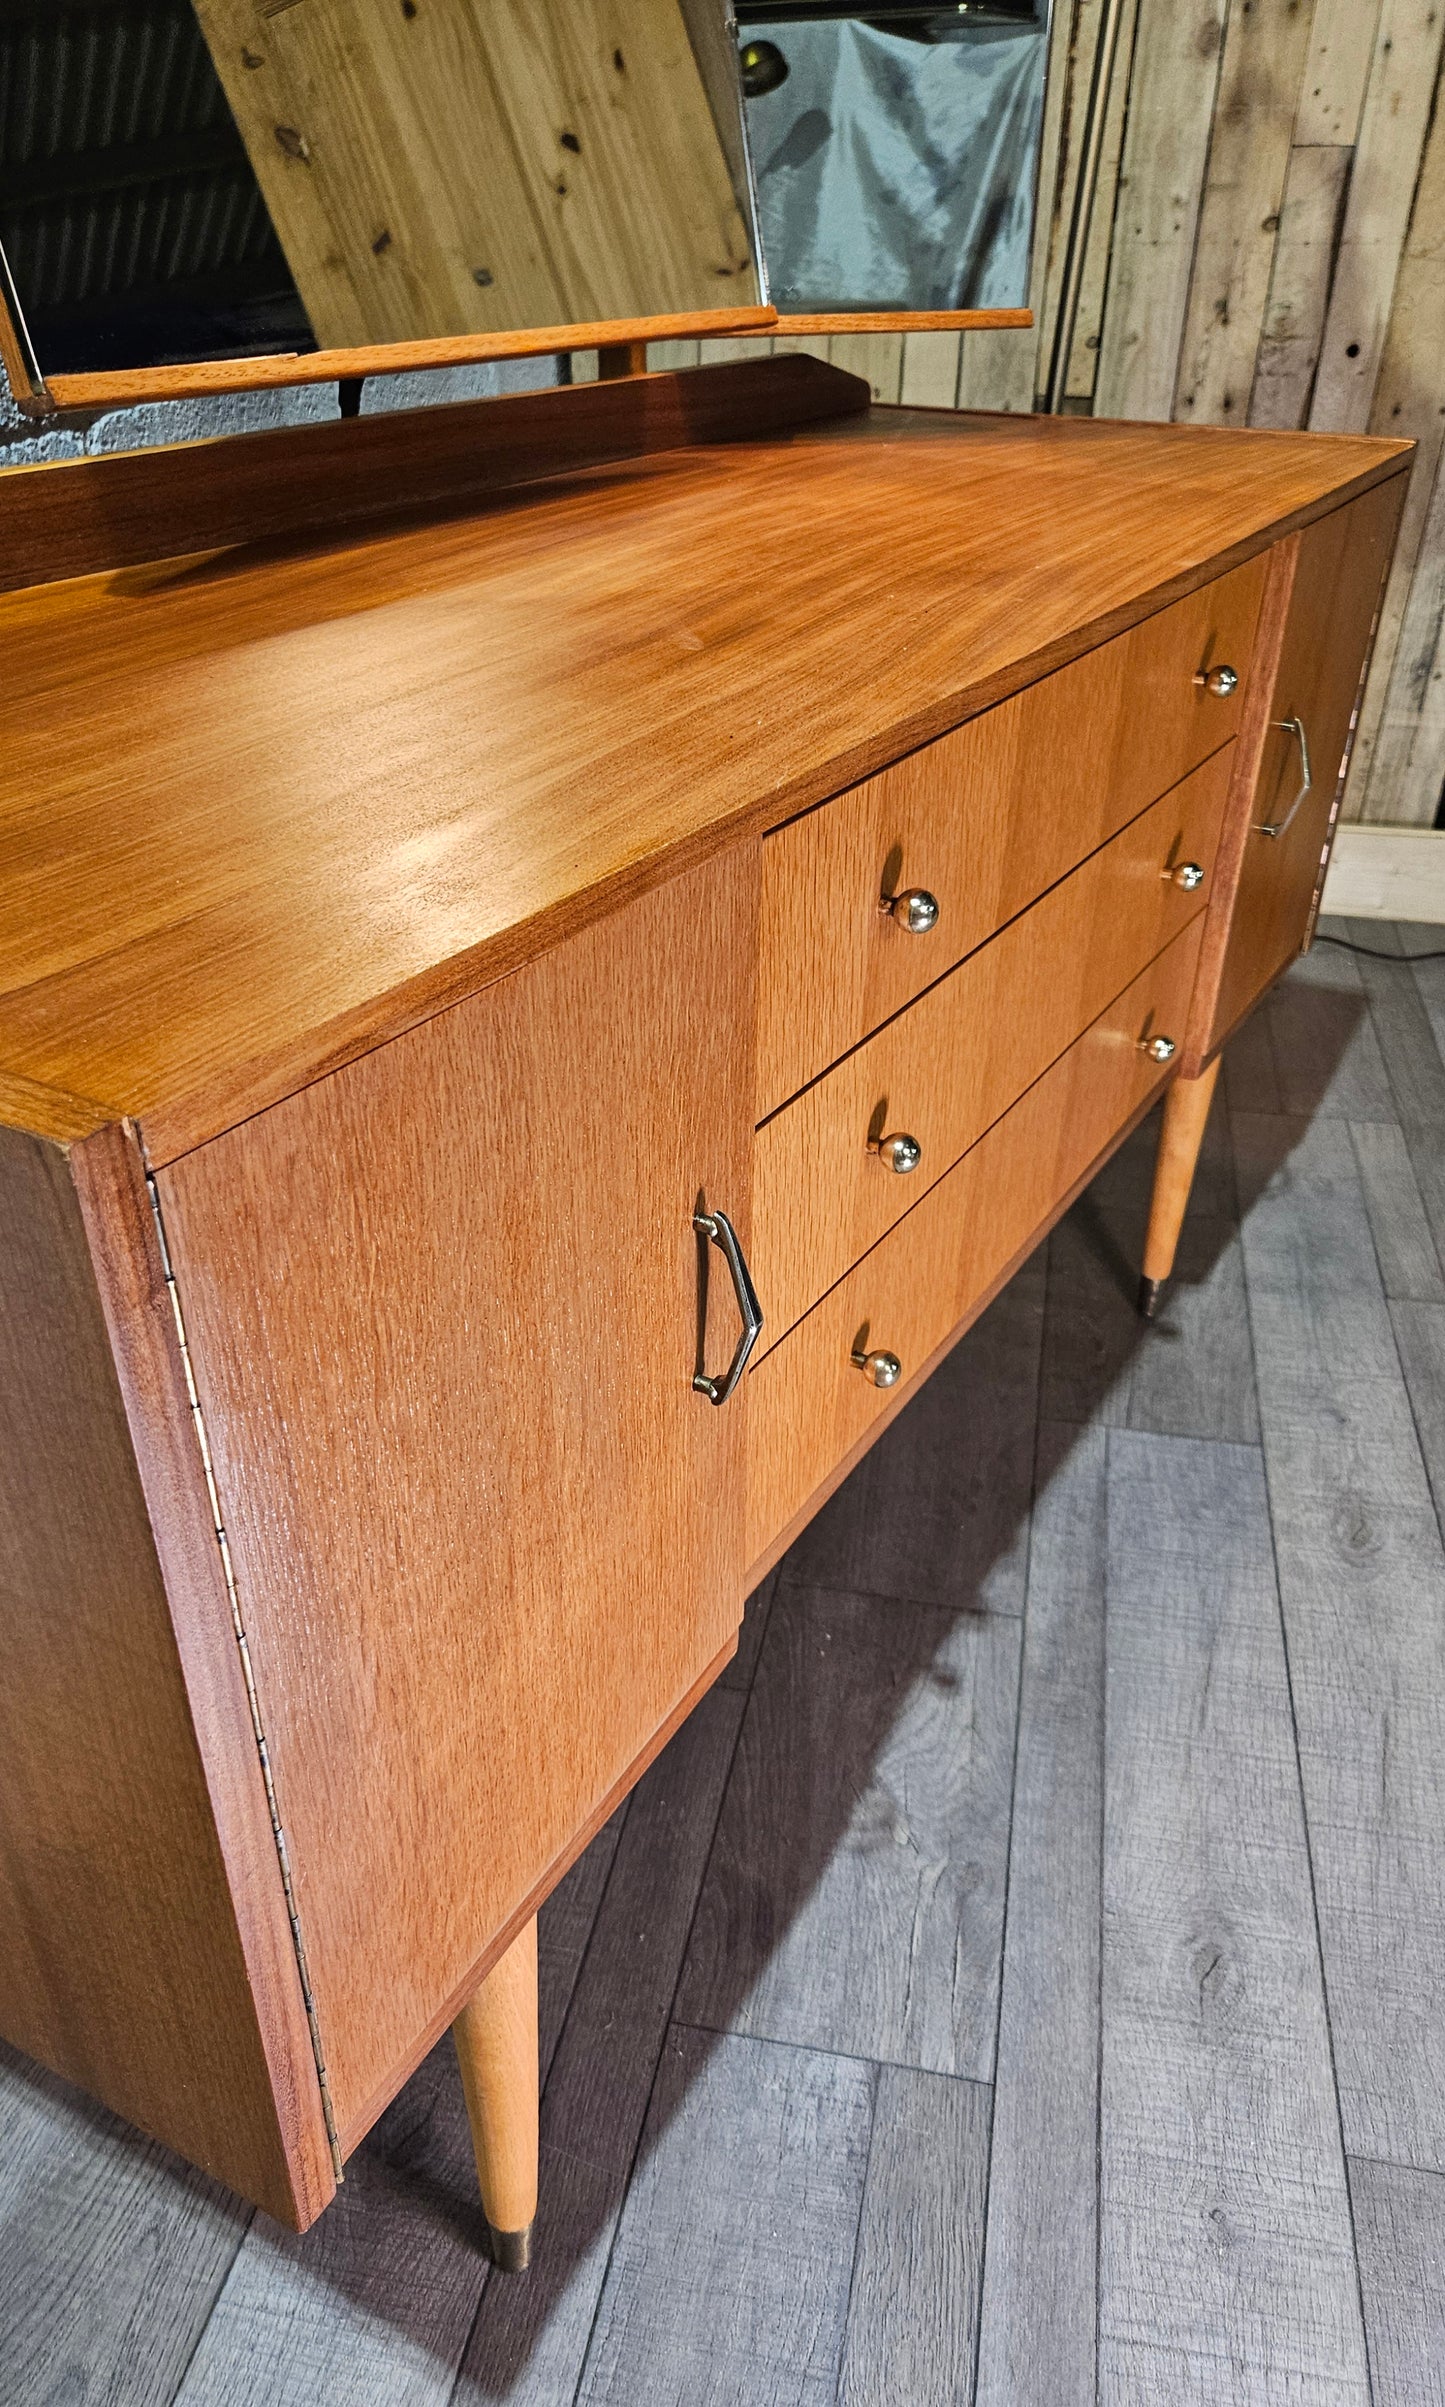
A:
[1400,959]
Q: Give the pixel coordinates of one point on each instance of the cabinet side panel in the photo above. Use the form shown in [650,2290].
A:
[443,1309]
[1320,612]
[122,1965]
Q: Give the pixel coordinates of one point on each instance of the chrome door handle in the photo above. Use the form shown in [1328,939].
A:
[717,1227]
[1296,728]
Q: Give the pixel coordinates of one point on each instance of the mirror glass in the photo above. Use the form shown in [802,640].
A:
[895,150]
[209,179]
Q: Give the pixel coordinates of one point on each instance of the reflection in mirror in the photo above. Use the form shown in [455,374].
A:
[205,179]
[895,150]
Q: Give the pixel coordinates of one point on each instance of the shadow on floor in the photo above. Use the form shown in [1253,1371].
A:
[927,1539]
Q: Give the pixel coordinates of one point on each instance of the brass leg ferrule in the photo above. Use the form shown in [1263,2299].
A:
[511,2250]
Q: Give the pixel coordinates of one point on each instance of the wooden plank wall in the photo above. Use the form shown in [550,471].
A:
[1267,248]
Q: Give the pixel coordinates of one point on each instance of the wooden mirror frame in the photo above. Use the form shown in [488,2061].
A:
[621,344]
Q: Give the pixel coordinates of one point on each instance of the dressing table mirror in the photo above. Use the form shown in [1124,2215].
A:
[896,151]
[555,953]
[209,195]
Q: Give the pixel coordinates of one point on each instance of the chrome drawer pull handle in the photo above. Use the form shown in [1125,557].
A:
[1189,875]
[719,1229]
[901,1153]
[1158,1048]
[915,909]
[882,1369]
[1221,681]
[1296,728]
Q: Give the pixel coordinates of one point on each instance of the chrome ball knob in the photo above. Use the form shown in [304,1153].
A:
[1223,680]
[1189,875]
[915,909]
[1159,1048]
[901,1153]
[880,1369]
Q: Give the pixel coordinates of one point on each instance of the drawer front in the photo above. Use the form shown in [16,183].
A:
[808,1406]
[946,1068]
[985,820]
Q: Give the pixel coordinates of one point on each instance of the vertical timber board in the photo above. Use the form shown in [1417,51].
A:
[1410,400]
[360,123]
[443,1308]
[930,371]
[1084,354]
[1000,371]
[1336,72]
[1315,185]
[1420,793]
[1171,110]
[1397,109]
[876,357]
[1264,52]
[147,1953]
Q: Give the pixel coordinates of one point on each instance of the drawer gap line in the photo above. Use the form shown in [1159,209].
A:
[949,1168]
[992,937]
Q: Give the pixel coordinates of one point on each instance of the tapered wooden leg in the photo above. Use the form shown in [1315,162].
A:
[496,2036]
[1186,1108]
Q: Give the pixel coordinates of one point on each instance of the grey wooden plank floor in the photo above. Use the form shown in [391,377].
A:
[1022,1982]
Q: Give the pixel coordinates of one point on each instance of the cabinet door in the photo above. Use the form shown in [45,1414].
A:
[1339,572]
[443,1308]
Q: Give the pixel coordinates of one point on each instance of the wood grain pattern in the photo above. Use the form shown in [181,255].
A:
[136,1926]
[1235,248]
[530,2338]
[1409,1262]
[1268,887]
[1327,1059]
[75,518]
[1173,84]
[112,2251]
[854,1897]
[1402,1022]
[1400,2228]
[1362,1581]
[1186,1110]
[913,2308]
[1420,1341]
[1190,1373]
[947,1067]
[807,1404]
[924,1519]
[736,2244]
[406,1290]
[1406,401]
[1039,2311]
[1316,180]
[391,769]
[900,321]
[1183,243]
[1397,107]
[985,820]
[495,2036]
[374,2303]
[121,388]
[606,192]
[1223,2211]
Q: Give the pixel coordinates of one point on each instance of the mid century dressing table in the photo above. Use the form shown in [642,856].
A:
[555,953]
[424,941]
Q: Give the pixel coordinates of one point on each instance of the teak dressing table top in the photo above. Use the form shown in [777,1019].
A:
[263,808]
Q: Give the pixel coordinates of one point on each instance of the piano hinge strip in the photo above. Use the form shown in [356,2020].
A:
[278,1831]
